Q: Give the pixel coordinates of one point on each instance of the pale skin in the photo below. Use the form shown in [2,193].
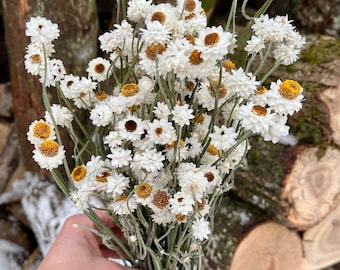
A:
[77,248]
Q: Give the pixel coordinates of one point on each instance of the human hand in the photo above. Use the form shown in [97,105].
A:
[77,248]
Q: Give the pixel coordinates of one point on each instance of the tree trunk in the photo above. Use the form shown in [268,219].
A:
[78,21]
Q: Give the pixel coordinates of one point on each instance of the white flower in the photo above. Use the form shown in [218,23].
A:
[201,229]
[98,69]
[214,43]
[123,205]
[149,160]
[117,184]
[193,183]
[34,59]
[161,110]
[241,83]
[162,217]
[55,72]
[181,203]
[49,155]
[113,139]
[102,114]
[41,30]
[285,55]
[120,157]
[61,115]
[254,45]
[182,115]
[155,33]
[130,128]
[138,9]
[278,130]
[80,198]
[161,132]
[95,167]
[39,131]
[223,138]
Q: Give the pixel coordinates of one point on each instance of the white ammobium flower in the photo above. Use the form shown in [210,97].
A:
[155,33]
[41,30]
[138,9]
[49,155]
[149,160]
[99,69]
[201,229]
[39,131]
[223,137]
[62,116]
[182,115]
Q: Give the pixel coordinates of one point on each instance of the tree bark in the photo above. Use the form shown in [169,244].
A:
[78,22]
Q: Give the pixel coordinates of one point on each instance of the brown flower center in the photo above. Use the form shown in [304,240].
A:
[161,199]
[218,88]
[190,5]
[130,126]
[195,57]
[158,16]
[259,110]
[144,190]
[228,66]
[103,178]
[99,68]
[210,176]
[152,50]
[261,90]
[36,58]
[101,95]
[211,39]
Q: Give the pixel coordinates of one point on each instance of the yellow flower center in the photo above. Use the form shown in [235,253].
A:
[180,217]
[218,88]
[261,90]
[213,150]
[195,57]
[211,39]
[161,199]
[144,190]
[42,130]
[290,89]
[228,66]
[99,68]
[190,38]
[101,95]
[122,198]
[35,58]
[189,16]
[78,173]
[158,16]
[103,178]
[172,144]
[129,89]
[152,50]
[259,110]
[49,148]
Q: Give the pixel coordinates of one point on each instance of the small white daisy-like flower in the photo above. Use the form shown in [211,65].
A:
[278,130]
[182,114]
[113,139]
[193,145]
[61,115]
[41,30]
[223,138]
[120,157]
[161,132]
[80,198]
[130,128]
[34,59]
[285,55]
[149,160]
[138,9]
[201,229]
[102,114]
[254,45]
[155,33]
[241,83]
[193,182]
[161,110]
[123,205]
[96,166]
[49,155]
[213,176]
[285,97]
[55,72]
[181,203]
[162,217]
[39,131]
[99,69]
[117,184]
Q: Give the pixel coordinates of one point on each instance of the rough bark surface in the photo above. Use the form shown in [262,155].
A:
[78,45]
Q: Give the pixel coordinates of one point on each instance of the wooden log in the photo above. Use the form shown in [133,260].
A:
[312,189]
[78,22]
[9,158]
[321,243]
[268,246]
